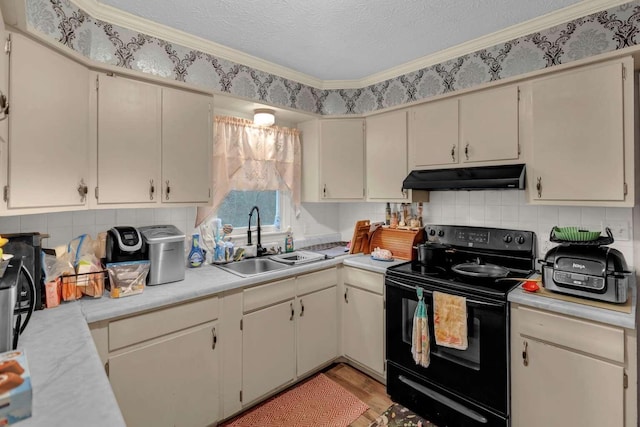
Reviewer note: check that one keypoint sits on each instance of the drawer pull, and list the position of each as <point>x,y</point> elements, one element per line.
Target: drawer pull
<point>346,298</point>
<point>214,338</point>
<point>301,308</point>
<point>292,311</point>
<point>525,354</point>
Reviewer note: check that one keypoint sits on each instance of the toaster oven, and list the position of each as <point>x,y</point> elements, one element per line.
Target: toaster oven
<point>595,272</point>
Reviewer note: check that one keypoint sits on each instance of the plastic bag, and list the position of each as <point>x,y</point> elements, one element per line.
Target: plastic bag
<point>127,278</point>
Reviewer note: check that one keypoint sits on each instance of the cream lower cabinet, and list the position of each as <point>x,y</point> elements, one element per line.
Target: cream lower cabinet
<point>570,372</point>
<point>268,349</point>
<point>48,150</point>
<point>363,318</point>
<point>579,127</point>
<point>317,321</point>
<point>164,366</point>
<point>289,328</point>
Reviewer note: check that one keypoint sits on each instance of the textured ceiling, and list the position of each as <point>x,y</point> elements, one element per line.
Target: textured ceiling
<point>339,39</point>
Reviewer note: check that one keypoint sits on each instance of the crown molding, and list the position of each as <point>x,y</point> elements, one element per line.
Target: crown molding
<point>118,17</point>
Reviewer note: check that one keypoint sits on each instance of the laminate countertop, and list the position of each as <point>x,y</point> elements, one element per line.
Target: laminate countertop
<point>69,383</point>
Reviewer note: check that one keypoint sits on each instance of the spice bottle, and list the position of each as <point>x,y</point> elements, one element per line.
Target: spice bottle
<point>387,218</point>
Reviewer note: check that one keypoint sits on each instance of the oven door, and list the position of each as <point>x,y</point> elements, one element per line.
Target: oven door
<point>479,373</point>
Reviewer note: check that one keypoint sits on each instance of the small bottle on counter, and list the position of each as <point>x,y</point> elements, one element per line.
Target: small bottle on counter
<point>196,257</point>
<point>387,219</point>
<point>288,241</point>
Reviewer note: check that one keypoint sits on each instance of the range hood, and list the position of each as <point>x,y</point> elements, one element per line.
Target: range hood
<point>478,178</point>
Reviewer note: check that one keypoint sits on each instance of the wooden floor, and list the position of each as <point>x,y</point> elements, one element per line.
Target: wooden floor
<point>364,388</point>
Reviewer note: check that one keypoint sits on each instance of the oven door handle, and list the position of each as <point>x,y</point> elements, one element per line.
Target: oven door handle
<point>405,286</point>
<point>444,400</point>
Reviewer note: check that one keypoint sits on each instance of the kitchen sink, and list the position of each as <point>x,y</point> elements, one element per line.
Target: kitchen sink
<point>252,266</point>
<point>298,257</point>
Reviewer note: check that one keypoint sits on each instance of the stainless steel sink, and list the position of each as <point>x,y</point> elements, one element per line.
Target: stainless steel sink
<point>298,257</point>
<point>252,266</point>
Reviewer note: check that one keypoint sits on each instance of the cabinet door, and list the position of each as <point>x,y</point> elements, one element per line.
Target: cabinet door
<point>561,388</point>
<point>173,382</point>
<point>128,141</point>
<point>186,146</point>
<point>268,350</point>
<point>433,134</point>
<point>363,328</point>
<point>489,125</point>
<point>386,146</point>
<point>578,135</point>
<point>49,127</point>
<point>342,159</point>
<point>317,329</point>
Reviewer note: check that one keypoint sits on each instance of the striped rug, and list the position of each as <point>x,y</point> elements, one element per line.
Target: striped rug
<point>318,402</point>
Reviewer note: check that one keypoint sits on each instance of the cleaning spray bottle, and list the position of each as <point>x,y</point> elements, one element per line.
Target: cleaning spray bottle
<point>196,257</point>
<point>288,241</point>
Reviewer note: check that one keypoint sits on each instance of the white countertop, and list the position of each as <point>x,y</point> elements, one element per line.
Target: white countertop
<point>611,317</point>
<point>70,387</point>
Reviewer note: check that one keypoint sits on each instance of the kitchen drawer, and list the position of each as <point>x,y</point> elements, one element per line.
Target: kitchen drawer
<point>585,336</point>
<point>317,281</point>
<point>151,325</point>
<point>372,282</point>
<point>269,294</point>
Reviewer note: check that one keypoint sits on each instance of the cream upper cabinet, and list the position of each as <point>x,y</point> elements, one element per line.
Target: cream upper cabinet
<point>386,156</point>
<point>187,142</point>
<point>48,149</point>
<point>154,144</point>
<point>332,160</point>
<point>129,136</point>
<point>567,371</point>
<point>489,125</point>
<point>433,134</point>
<point>580,127</point>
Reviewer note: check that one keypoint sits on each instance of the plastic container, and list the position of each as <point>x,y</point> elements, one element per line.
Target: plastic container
<point>196,256</point>
<point>288,241</point>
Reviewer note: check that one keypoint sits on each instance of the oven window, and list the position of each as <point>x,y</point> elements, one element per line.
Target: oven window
<point>469,358</point>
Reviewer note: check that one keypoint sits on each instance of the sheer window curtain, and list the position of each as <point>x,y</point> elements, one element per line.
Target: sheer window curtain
<point>249,157</point>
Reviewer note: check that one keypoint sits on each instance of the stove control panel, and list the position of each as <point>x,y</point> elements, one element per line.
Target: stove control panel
<point>482,237</point>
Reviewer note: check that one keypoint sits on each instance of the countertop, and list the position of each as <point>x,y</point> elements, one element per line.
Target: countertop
<point>611,317</point>
<point>69,383</point>
<point>70,387</point>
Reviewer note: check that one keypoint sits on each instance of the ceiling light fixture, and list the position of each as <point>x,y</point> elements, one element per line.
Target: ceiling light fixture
<point>264,117</point>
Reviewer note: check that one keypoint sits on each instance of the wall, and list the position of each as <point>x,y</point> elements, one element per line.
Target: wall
<point>64,23</point>
<point>504,209</point>
<point>315,220</point>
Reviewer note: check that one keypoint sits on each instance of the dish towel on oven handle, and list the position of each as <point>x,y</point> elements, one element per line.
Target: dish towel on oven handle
<point>450,320</point>
<point>420,333</point>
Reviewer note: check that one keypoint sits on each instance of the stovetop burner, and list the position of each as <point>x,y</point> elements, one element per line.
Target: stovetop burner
<point>512,249</point>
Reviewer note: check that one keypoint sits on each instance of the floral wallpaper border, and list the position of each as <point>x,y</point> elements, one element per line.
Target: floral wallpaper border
<point>62,21</point>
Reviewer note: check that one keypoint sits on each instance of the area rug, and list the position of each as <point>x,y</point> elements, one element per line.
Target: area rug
<point>397,415</point>
<point>314,403</point>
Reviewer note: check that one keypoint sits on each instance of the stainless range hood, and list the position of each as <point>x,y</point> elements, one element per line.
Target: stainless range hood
<point>478,178</point>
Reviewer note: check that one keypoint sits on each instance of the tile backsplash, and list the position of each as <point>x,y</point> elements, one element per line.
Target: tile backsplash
<point>505,209</point>
<point>64,226</point>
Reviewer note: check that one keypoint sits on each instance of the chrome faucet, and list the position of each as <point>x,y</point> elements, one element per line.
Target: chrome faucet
<point>259,250</point>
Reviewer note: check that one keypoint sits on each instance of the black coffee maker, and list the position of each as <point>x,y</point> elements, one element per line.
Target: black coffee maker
<point>124,243</point>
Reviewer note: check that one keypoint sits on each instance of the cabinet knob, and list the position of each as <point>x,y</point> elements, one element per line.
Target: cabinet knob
<point>152,189</point>
<point>539,187</point>
<point>466,151</point>
<point>168,191</point>
<point>82,190</point>
<point>525,354</point>
<point>292,312</point>
<point>4,106</point>
<point>324,190</point>
<point>301,308</point>
<point>453,153</point>
<point>346,297</point>
<point>214,338</point>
